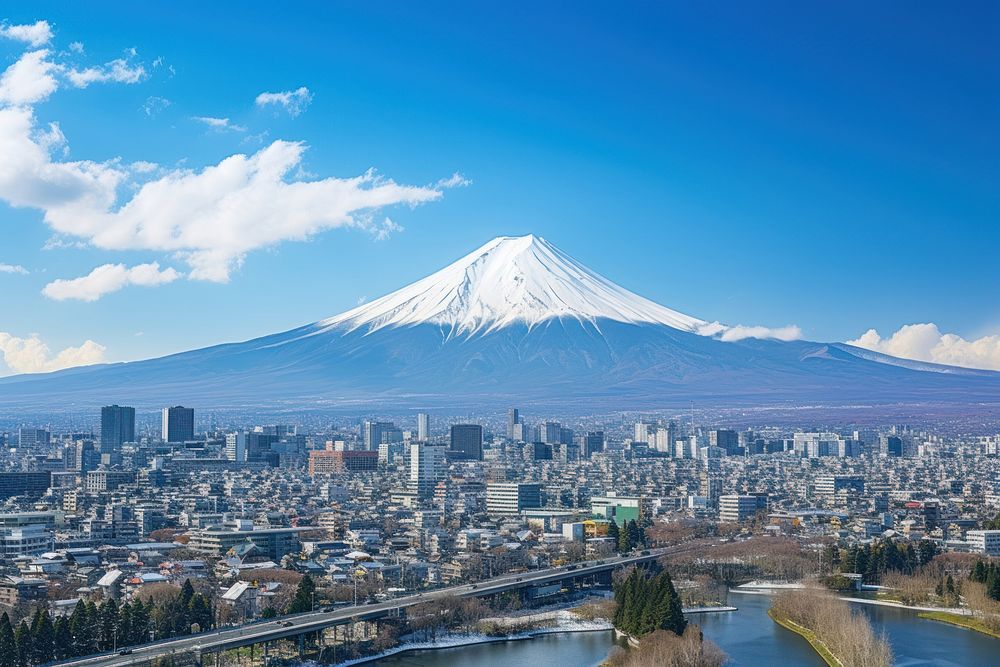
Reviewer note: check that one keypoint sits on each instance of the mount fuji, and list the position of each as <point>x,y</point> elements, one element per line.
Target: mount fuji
<point>517,320</point>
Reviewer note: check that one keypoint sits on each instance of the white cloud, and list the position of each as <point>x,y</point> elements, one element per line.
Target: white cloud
<point>76,47</point>
<point>154,105</point>
<point>35,34</point>
<point>456,180</point>
<point>385,230</point>
<point>209,218</point>
<point>109,278</point>
<point>29,80</point>
<point>13,268</point>
<point>118,71</point>
<point>32,355</point>
<point>739,332</point>
<point>219,124</point>
<point>294,101</point>
<point>731,334</point>
<point>925,342</point>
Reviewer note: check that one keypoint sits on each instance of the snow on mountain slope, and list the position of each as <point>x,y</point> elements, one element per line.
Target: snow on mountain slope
<point>511,280</point>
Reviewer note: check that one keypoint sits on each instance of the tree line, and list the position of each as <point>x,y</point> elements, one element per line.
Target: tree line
<point>93,629</point>
<point>630,535</point>
<point>882,556</point>
<point>647,603</point>
<point>987,574</point>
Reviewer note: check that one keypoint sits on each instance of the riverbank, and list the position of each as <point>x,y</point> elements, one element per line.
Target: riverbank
<point>807,634</point>
<point>957,611</point>
<point>564,621</point>
<point>961,620</point>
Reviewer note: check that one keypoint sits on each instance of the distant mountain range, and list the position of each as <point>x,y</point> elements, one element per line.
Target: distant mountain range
<point>516,321</point>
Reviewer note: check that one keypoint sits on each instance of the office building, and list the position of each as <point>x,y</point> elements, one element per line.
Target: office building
<point>740,508</point>
<point>513,418</point>
<point>423,426</point>
<point>467,441</point>
<point>177,424</point>
<point>593,443</point>
<point>28,484</point>
<point>273,543</point>
<point>32,439</point>
<point>831,485</point>
<point>428,466</point>
<point>550,433</point>
<point>372,432</point>
<point>117,428</point>
<point>236,446</point>
<point>619,508</point>
<point>512,497</point>
<point>985,542</point>
<point>328,461</point>
<point>725,439</point>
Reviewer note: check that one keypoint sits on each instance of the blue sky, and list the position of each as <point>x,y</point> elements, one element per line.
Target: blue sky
<point>779,164</point>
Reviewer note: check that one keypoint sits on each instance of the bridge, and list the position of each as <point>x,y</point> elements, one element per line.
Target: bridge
<point>299,625</point>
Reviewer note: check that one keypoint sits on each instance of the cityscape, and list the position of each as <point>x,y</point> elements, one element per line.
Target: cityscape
<point>591,374</point>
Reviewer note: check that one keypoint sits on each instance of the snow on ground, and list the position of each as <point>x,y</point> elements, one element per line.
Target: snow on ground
<point>566,621</point>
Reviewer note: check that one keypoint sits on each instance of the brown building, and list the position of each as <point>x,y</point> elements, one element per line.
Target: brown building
<point>324,461</point>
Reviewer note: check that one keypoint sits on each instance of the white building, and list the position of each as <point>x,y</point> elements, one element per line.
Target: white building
<point>236,446</point>
<point>512,498</point>
<point>737,509</point>
<point>984,541</point>
<point>428,466</point>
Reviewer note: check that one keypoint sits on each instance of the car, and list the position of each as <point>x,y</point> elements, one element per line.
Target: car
<point>285,624</point>
<point>519,579</point>
<point>125,651</point>
<point>474,586</point>
<point>571,567</point>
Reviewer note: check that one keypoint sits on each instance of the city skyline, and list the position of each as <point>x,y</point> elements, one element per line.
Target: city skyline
<point>710,185</point>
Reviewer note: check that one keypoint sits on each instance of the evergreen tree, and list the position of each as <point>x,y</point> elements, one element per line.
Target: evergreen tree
<point>8,649</point>
<point>993,583</point>
<point>22,644</point>
<point>635,536</point>
<point>62,644</point>
<point>42,638</point>
<point>108,615</point>
<point>79,630</point>
<point>614,533</point>
<point>978,572</point>
<point>303,600</point>
<point>624,539</point>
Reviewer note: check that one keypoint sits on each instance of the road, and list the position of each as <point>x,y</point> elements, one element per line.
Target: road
<point>292,626</point>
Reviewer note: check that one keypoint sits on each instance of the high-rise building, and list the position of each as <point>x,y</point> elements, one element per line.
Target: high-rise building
<point>550,433</point>
<point>423,426</point>
<point>891,445</point>
<point>593,443</point>
<point>726,439</point>
<point>177,424</point>
<point>32,439</point>
<point>372,432</point>
<point>428,466</point>
<point>117,428</point>
<point>643,432</point>
<point>236,446</point>
<point>260,448</point>
<point>467,441</point>
<point>513,418</point>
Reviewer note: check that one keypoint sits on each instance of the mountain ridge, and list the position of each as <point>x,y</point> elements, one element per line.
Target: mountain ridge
<point>519,321</point>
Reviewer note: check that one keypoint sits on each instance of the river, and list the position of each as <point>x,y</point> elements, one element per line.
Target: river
<point>748,636</point>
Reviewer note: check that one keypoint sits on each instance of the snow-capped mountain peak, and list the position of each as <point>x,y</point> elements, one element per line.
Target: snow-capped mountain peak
<point>510,280</point>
